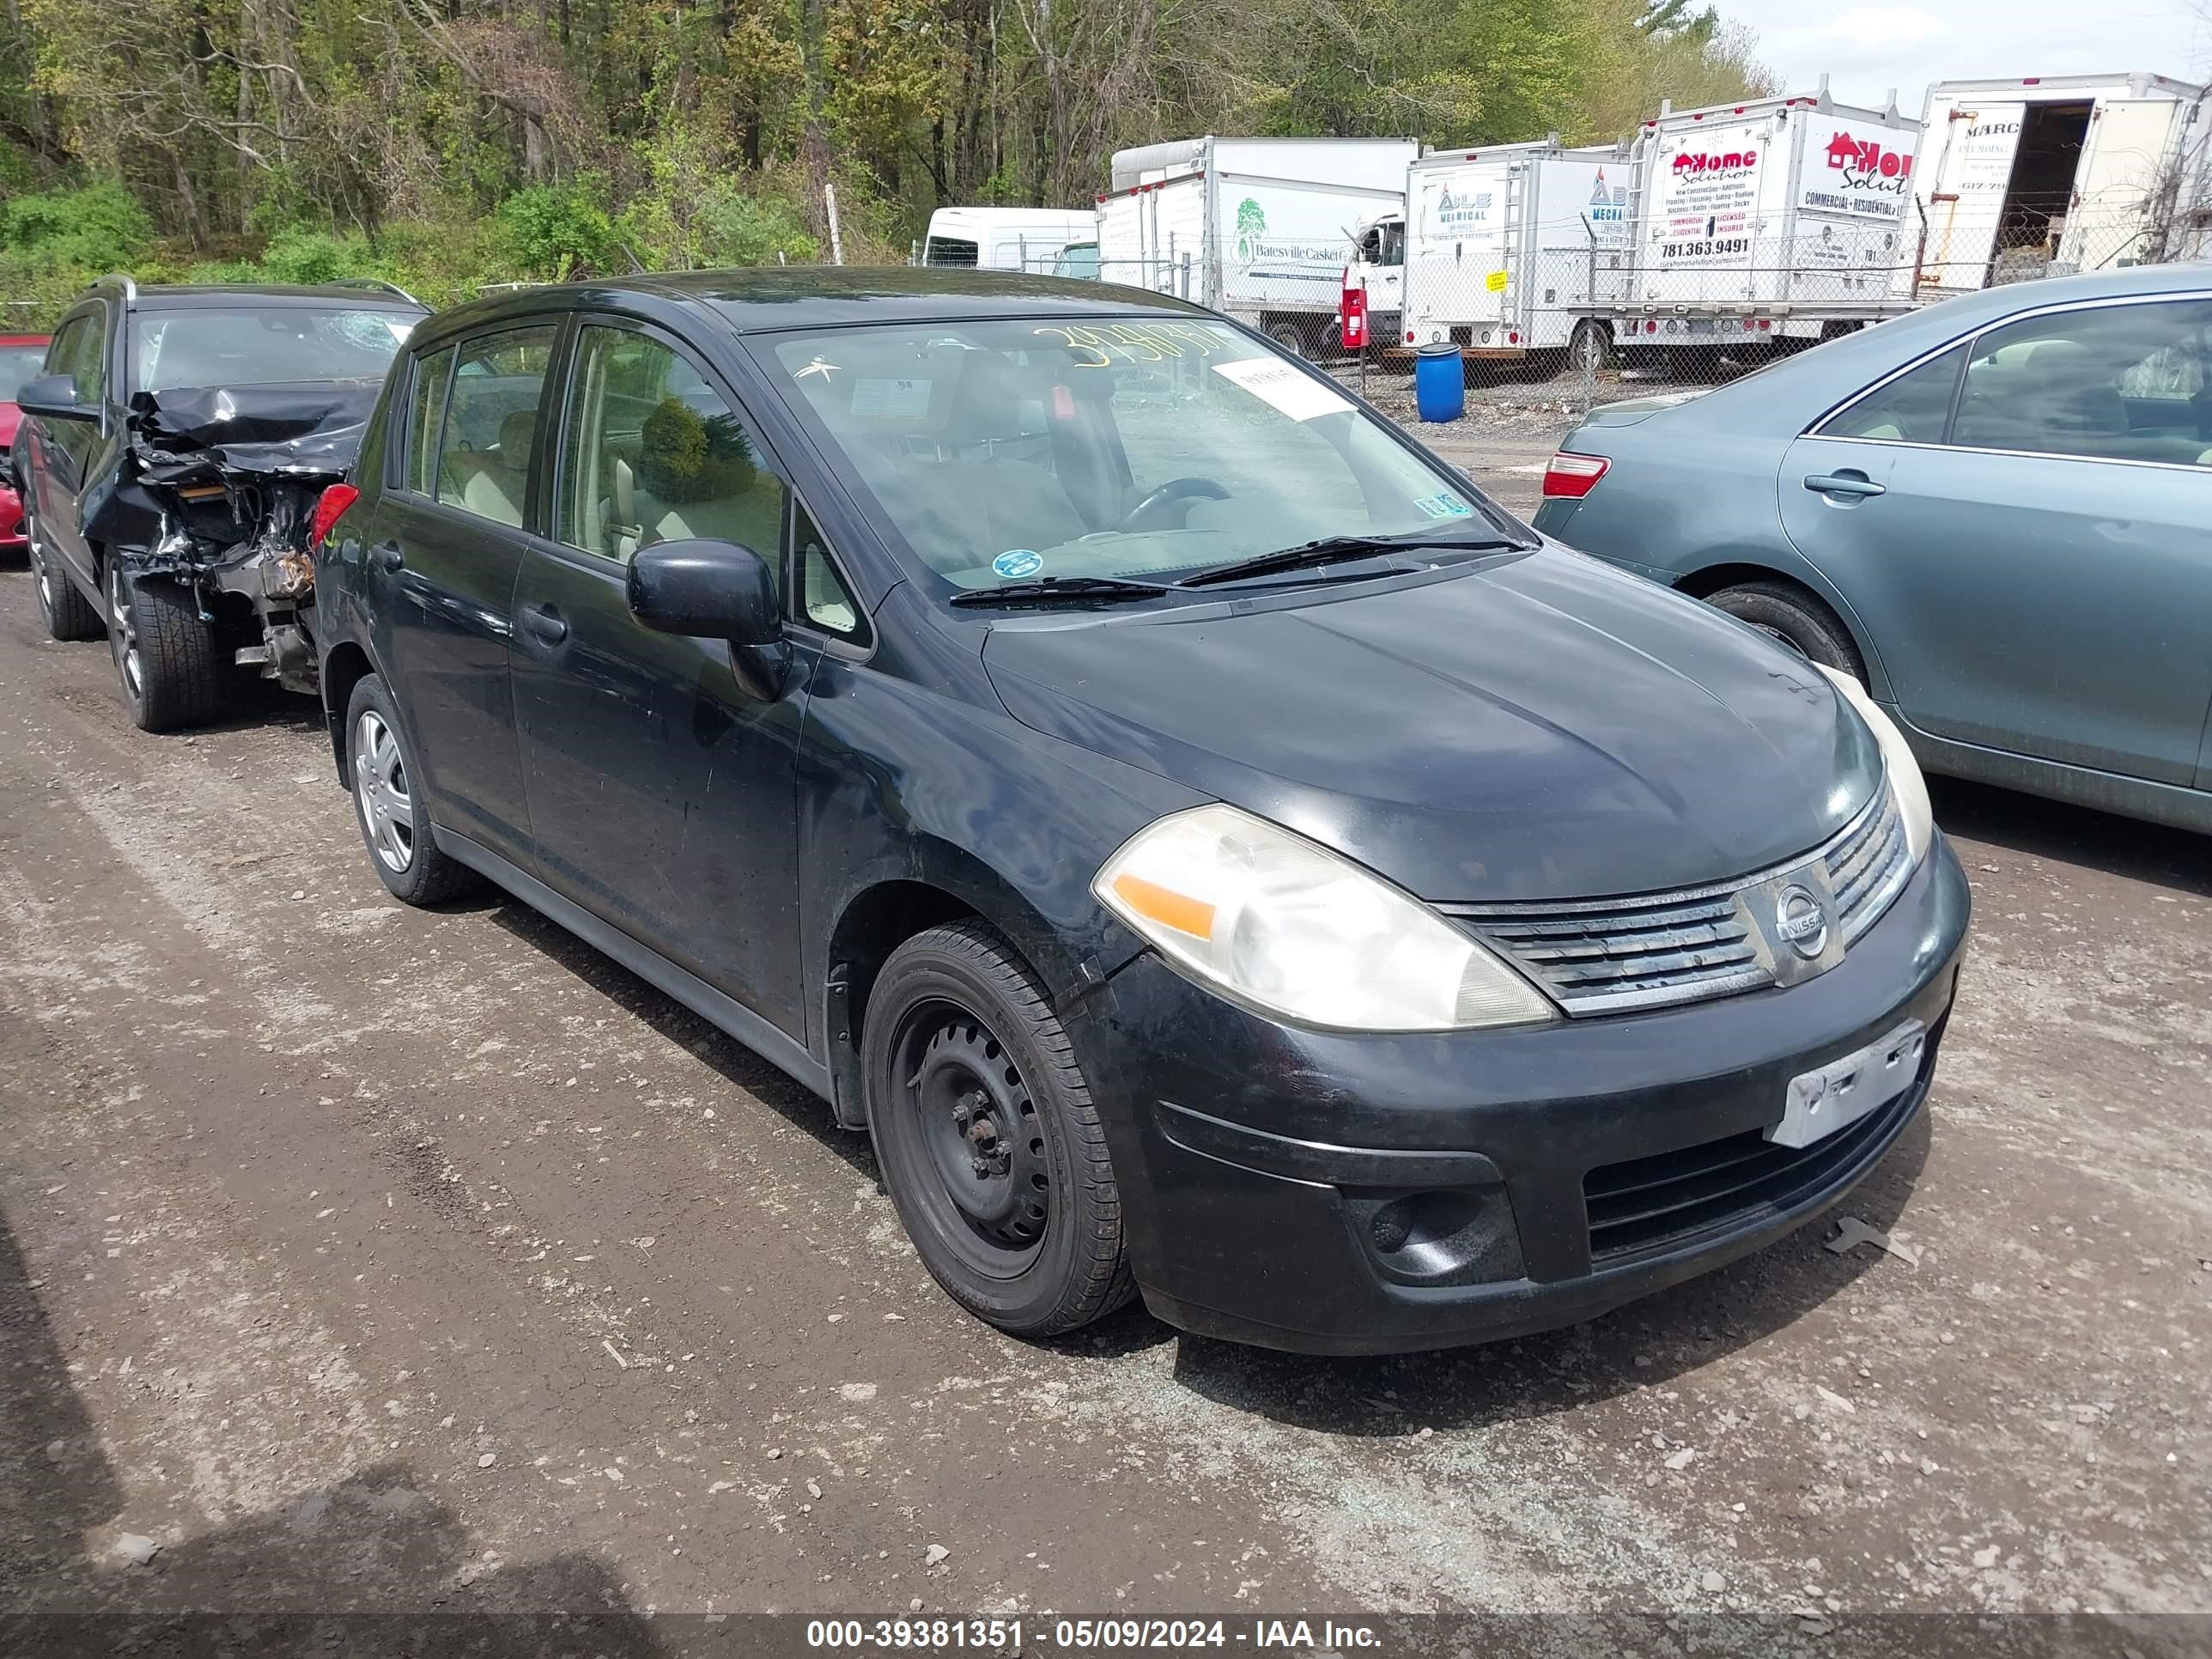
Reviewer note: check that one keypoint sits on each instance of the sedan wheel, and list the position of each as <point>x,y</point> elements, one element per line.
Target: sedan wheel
<point>1792,616</point>
<point>387,810</point>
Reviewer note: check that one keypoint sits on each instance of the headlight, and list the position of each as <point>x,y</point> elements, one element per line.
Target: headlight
<point>1276,920</point>
<point>1905,780</point>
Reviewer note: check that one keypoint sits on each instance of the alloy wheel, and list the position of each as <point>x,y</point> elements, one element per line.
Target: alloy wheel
<point>123,634</point>
<point>380,790</point>
<point>979,1139</point>
<point>43,574</point>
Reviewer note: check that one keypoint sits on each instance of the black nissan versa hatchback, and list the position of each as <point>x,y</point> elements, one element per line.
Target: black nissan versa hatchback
<point>1216,854</point>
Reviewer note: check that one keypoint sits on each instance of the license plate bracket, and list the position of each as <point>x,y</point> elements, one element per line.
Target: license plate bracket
<point>1840,1093</point>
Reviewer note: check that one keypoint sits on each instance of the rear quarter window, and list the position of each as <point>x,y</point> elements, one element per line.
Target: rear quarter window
<point>430,377</point>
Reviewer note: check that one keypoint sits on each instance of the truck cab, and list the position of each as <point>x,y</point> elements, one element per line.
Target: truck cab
<point>1379,259</point>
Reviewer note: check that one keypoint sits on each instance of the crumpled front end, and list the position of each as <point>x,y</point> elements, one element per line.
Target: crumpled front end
<point>217,487</point>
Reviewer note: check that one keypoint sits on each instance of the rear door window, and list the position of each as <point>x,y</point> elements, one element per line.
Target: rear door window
<point>489,431</point>
<point>1912,409</point>
<point>2119,382</point>
<point>426,412</point>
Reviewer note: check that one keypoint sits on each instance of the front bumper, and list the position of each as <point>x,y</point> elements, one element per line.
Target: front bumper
<point>1336,1193</point>
<point>12,538</point>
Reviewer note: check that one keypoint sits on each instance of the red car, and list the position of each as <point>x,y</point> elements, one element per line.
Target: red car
<point>21,356</point>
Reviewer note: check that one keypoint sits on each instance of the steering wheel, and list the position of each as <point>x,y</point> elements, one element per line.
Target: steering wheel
<point>1140,517</point>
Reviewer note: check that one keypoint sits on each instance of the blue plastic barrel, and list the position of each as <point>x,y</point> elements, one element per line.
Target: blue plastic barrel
<point>1439,383</point>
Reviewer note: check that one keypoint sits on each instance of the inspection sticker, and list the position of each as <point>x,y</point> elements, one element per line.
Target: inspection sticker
<point>1445,505</point>
<point>1284,385</point>
<point>891,400</point>
<point>1017,562</point>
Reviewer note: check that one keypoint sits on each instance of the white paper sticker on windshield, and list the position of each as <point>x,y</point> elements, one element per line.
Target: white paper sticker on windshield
<point>891,400</point>
<point>1284,385</point>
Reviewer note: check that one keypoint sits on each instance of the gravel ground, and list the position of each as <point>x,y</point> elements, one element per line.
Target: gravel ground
<point>355,1256</point>
<point>1510,429</point>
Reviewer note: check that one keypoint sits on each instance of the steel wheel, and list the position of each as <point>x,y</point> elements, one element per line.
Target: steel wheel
<point>976,1123</point>
<point>379,789</point>
<point>123,634</point>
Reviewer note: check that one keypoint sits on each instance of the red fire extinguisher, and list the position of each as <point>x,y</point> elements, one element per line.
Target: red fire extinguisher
<point>1351,310</point>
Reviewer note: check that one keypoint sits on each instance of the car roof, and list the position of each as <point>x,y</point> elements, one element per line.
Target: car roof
<point>815,296</point>
<point>1802,386</point>
<point>1946,319</point>
<point>26,339</point>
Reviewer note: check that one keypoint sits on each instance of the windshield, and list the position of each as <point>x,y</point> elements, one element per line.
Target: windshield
<point>19,364</point>
<point>1015,450</point>
<point>280,345</point>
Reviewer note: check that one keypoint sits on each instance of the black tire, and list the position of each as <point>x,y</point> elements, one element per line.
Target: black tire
<point>393,817</point>
<point>67,613</point>
<point>989,1145</point>
<point>1591,344</point>
<point>1798,619</point>
<point>165,657</point>
<point>1290,337</point>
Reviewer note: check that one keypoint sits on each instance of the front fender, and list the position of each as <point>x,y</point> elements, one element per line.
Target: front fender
<point>900,782</point>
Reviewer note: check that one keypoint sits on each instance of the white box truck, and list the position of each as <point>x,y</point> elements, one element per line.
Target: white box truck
<point>1261,229</point>
<point>1003,239</point>
<point>1772,221</point>
<point>1502,242</point>
<point>2053,174</point>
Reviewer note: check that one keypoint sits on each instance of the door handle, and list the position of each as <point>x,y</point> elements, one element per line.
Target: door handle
<point>544,622</point>
<point>387,557</point>
<point>1844,484</point>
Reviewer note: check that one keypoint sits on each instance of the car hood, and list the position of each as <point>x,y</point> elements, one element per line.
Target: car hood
<point>1539,727</point>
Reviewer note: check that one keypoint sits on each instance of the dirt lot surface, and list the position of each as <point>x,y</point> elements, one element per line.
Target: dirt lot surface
<point>1510,429</point>
<point>353,1255</point>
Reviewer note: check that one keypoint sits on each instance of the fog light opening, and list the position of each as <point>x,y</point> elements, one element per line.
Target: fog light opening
<point>1421,1222</point>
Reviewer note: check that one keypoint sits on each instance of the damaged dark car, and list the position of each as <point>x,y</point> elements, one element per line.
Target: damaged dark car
<point>178,459</point>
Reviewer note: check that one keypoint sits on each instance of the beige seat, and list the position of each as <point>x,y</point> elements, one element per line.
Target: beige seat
<point>499,483</point>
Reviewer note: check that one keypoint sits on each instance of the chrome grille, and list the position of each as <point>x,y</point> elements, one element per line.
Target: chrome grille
<point>1609,956</point>
<point>1633,953</point>
<point>1867,865</point>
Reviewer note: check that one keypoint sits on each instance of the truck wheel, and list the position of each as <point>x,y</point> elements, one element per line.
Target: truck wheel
<point>67,613</point>
<point>1795,618</point>
<point>1590,346</point>
<point>165,653</point>
<point>1290,337</point>
<point>395,823</point>
<point>989,1145</point>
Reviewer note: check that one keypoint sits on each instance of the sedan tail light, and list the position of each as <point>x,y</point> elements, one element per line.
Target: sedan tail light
<point>1573,477</point>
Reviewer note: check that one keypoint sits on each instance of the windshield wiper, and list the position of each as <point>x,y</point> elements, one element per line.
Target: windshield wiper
<point>1329,550</point>
<point>1048,590</point>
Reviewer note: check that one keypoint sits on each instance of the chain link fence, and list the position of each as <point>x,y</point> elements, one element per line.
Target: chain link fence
<point>1553,315</point>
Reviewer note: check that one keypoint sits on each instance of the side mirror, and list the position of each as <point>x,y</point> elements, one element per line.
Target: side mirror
<point>708,589</point>
<point>54,396</point>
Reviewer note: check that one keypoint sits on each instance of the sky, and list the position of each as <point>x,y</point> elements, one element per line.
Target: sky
<point>1866,49</point>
